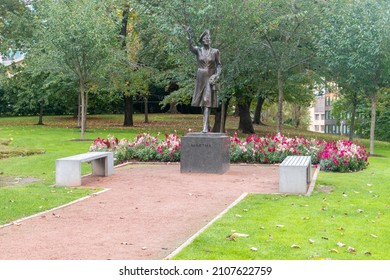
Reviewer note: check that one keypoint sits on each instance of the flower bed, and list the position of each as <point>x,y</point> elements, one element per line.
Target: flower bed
<point>144,148</point>
<point>340,156</point>
<point>343,156</point>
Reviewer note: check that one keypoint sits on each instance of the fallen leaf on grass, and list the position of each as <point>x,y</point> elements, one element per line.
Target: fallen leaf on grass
<point>238,216</point>
<point>334,251</point>
<point>373,235</point>
<point>340,244</point>
<point>254,249</point>
<point>295,246</point>
<point>280,226</point>
<point>360,211</point>
<point>234,235</point>
<point>351,250</point>
<point>367,253</point>
<point>311,241</point>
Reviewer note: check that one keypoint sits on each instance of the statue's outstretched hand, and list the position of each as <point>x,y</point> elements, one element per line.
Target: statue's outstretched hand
<point>189,32</point>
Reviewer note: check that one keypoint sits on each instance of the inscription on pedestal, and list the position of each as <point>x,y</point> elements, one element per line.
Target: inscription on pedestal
<point>205,153</point>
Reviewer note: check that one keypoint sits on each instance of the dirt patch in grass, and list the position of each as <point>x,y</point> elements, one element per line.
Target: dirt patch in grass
<point>325,189</point>
<point>6,181</point>
<point>7,151</point>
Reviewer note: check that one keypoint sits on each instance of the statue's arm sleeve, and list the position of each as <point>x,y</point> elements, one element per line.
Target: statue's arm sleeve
<point>191,46</point>
<point>218,62</point>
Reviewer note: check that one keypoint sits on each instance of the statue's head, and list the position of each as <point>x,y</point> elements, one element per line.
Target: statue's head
<point>205,37</point>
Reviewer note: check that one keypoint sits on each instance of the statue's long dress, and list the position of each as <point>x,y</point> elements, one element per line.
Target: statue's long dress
<point>208,62</point>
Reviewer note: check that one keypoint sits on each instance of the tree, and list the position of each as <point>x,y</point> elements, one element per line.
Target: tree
<point>130,46</point>
<point>15,24</point>
<point>76,37</point>
<point>354,41</point>
<point>27,92</point>
<point>285,29</point>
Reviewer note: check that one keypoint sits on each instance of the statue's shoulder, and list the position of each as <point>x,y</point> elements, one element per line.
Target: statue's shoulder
<point>215,50</point>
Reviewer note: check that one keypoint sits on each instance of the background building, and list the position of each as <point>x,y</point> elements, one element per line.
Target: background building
<point>321,119</point>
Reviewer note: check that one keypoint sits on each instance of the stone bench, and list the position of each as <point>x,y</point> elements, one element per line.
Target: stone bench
<point>295,174</point>
<point>68,169</point>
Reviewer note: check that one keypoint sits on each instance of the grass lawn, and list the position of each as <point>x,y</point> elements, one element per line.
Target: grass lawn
<point>22,201</point>
<point>346,217</point>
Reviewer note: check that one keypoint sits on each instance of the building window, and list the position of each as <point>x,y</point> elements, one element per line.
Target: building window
<point>346,130</point>
<point>328,101</point>
<point>316,117</point>
<point>322,117</point>
<point>332,129</point>
<point>316,128</point>
<point>322,128</point>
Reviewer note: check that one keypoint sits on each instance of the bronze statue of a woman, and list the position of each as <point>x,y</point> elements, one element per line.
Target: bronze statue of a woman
<point>209,69</point>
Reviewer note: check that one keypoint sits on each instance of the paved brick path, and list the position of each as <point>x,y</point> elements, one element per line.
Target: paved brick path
<point>149,211</point>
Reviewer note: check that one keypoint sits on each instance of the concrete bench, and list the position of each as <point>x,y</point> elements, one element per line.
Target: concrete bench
<point>295,174</point>
<point>68,169</point>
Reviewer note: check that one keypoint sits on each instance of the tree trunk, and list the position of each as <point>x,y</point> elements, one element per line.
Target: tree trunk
<point>146,109</point>
<point>83,121</point>
<point>128,100</point>
<point>222,128</point>
<point>125,19</point>
<point>173,86</point>
<point>245,124</point>
<point>296,117</point>
<point>86,110</point>
<point>352,127</point>
<point>374,99</point>
<point>128,120</point>
<point>172,108</point>
<point>259,107</point>
<point>220,122</point>
<point>79,111</point>
<point>279,118</point>
<point>40,117</point>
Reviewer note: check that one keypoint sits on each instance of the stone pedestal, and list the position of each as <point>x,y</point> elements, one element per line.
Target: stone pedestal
<point>205,153</point>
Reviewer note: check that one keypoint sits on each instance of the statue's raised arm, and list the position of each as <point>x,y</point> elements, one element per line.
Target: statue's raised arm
<point>190,35</point>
